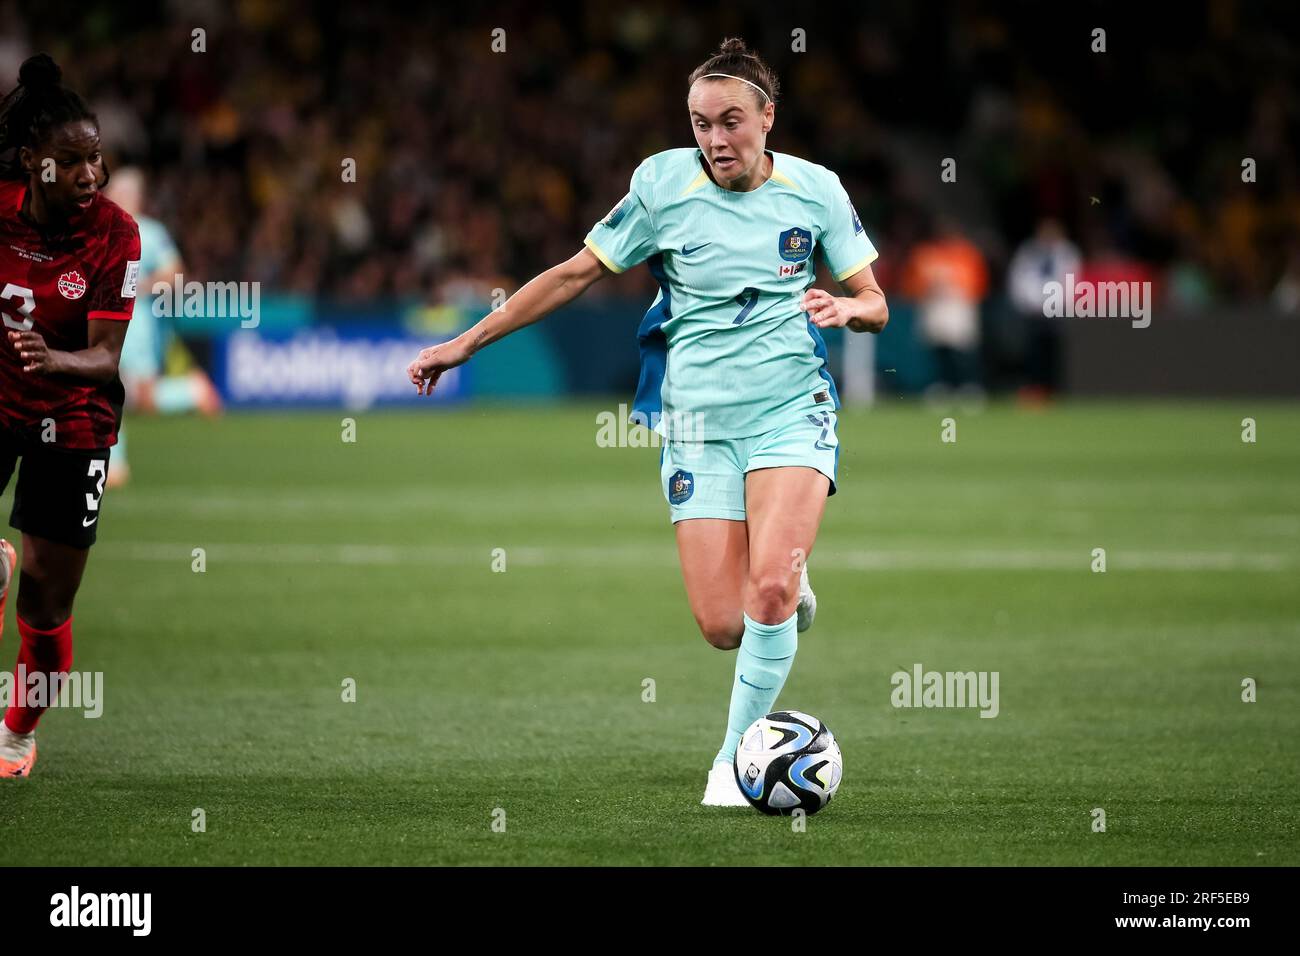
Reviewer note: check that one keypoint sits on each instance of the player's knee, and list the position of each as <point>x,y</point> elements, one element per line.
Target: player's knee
<point>774,597</point>
<point>723,634</point>
<point>44,617</point>
<point>42,607</point>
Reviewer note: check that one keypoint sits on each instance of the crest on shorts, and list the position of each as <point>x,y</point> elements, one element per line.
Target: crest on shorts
<point>680,486</point>
<point>795,244</point>
<point>72,285</point>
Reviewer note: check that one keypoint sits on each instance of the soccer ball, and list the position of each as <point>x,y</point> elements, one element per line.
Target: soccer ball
<point>788,761</point>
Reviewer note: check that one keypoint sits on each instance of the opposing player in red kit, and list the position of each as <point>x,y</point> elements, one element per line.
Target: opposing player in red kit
<point>69,260</point>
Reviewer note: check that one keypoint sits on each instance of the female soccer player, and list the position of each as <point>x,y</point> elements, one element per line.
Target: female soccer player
<point>733,367</point>
<point>69,260</point>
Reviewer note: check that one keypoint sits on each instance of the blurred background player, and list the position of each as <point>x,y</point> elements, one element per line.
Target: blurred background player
<point>148,337</point>
<point>947,279</point>
<point>1046,256</point>
<point>69,261</point>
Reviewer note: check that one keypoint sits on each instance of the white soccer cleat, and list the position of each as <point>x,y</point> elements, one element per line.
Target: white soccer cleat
<point>807,609</point>
<point>722,789</point>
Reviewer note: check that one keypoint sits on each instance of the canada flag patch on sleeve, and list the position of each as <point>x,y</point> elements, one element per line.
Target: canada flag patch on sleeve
<point>132,277</point>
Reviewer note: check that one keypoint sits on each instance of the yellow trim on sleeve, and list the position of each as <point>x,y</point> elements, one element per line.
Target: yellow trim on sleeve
<point>600,254</point>
<point>855,269</point>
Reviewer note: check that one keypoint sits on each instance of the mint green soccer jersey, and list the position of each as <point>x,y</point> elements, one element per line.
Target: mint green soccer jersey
<point>725,350</point>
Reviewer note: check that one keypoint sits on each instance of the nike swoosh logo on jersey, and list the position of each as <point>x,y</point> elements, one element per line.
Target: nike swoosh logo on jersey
<point>687,252</point>
<point>87,524</point>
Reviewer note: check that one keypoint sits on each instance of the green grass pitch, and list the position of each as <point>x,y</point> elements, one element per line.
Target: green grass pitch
<point>478,690</point>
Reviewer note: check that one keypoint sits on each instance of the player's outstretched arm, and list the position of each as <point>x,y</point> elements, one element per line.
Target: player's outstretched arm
<point>538,298</point>
<point>97,362</point>
<point>863,310</point>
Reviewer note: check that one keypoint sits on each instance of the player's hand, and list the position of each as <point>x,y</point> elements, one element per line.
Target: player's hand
<point>429,365</point>
<point>825,310</point>
<point>31,348</point>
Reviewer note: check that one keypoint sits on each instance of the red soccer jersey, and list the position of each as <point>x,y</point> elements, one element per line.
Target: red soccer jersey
<point>56,286</point>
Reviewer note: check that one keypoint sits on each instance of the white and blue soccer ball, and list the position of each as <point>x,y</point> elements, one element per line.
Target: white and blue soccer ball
<point>788,761</point>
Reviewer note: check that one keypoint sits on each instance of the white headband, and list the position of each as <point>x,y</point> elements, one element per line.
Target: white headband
<point>742,79</point>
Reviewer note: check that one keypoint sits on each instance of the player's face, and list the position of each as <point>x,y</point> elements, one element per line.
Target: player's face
<point>67,168</point>
<point>730,129</point>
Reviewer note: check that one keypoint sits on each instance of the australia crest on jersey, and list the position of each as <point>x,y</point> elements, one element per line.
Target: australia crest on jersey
<point>795,244</point>
<point>72,285</point>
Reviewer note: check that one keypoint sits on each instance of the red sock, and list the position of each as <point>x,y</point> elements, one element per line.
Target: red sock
<point>48,652</point>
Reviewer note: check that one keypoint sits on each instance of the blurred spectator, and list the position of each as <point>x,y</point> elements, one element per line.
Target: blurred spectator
<point>1046,256</point>
<point>1286,297</point>
<point>476,169</point>
<point>946,278</point>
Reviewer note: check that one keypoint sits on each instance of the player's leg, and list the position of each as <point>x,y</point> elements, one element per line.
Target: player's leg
<point>47,585</point>
<point>48,581</point>
<point>789,475</point>
<point>8,559</point>
<point>184,391</point>
<point>56,506</point>
<point>193,391</point>
<point>704,483</point>
<point>714,555</point>
<point>715,563</point>
<point>785,507</point>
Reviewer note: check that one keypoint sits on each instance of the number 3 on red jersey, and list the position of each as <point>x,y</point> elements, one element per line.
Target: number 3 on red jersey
<point>12,291</point>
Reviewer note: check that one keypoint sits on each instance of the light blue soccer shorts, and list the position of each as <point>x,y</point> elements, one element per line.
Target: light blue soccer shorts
<point>706,479</point>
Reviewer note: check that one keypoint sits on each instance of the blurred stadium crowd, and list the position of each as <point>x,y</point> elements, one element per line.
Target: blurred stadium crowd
<point>478,168</point>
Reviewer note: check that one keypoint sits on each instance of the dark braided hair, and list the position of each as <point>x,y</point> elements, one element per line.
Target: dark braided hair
<point>37,106</point>
<point>734,58</point>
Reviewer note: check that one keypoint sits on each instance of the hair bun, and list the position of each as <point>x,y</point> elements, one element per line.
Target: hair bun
<point>39,72</point>
<point>733,46</point>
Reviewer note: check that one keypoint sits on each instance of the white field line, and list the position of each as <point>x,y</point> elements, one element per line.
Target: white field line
<point>629,556</point>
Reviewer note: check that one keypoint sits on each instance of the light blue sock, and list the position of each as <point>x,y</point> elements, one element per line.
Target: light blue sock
<point>762,665</point>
